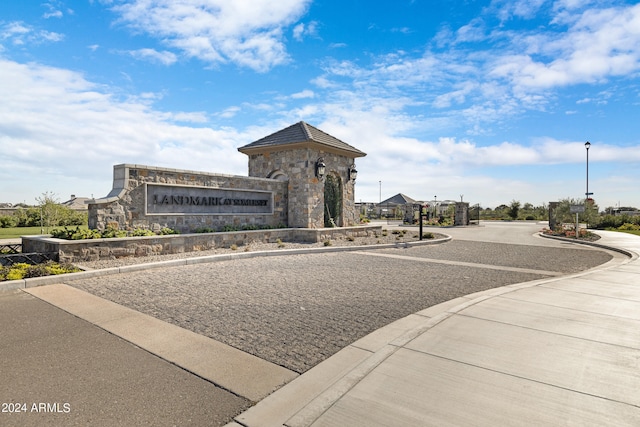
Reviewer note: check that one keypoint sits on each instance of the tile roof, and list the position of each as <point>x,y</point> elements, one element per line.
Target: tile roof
<point>302,132</point>
<point>398,199</point>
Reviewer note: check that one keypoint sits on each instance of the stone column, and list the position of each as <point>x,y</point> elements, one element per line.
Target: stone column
<point>462,214</point>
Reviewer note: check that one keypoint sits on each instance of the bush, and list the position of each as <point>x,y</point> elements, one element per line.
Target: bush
<point>111,232</point>
<point>204,230</point>
<point>17,271</point>
<point>629,227</point>
<point>8,221</point>
<point>21,270</point>
<point>140,232</point>
<point>167,231</point>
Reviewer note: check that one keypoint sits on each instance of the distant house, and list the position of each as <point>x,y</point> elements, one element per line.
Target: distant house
<point>388,207</point>
<point>76,203</point>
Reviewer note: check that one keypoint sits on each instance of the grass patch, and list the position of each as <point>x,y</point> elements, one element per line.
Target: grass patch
<point>16,232</point>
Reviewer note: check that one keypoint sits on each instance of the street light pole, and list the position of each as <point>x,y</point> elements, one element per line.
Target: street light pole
<point>587,145</point>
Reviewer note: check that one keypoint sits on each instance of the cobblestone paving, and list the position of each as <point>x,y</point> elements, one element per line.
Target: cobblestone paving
<point>558,259</point>
<point>298,310</point>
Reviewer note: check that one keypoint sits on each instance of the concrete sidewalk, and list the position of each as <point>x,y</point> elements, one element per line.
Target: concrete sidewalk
<point>558,351</point>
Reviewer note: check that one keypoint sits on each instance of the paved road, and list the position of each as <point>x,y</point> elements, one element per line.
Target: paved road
<point>296,311</point>
<point>58,370</point>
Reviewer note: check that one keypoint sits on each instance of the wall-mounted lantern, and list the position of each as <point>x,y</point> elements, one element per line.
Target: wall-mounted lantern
<point>321,168</point>
<point>353,173</point>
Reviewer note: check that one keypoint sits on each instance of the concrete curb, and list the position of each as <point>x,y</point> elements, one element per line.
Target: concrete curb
<point>631,255</point>
<point>234,370</point>
<point>50,280</point>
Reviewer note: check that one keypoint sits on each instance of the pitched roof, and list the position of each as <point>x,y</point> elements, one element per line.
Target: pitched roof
<point>398,199</point>
<point>301,133</point>
<point>76,202</point>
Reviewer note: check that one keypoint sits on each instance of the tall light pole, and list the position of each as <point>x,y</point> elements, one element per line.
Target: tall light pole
<point>587,145</point>
<point>380,202</point>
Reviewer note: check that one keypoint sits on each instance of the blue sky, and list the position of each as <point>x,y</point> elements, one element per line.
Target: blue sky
<point>489,100</point>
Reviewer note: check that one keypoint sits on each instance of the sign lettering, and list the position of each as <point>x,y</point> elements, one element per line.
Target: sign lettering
<point>172,199</point>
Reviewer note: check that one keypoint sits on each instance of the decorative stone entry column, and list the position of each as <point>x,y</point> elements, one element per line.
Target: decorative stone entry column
<point>462,214</point>
<point>305,157</point>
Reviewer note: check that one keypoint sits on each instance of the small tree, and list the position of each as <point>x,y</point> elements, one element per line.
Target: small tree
<point>563,211</point>
<point>50,210</point>
<point>514,209</point>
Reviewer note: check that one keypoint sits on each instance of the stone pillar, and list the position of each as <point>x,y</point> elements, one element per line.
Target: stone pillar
<point>462,214</point>
<point>553,222</point>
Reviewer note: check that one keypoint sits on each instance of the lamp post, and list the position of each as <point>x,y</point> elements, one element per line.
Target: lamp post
<point>587,145</point>
<point>380,202</point>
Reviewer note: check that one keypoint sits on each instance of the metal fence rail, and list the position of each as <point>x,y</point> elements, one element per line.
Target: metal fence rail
<point>10,248</point>
<point>28,258</point>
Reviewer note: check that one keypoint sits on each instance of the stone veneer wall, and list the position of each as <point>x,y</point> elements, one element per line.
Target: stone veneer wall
<point>462,214</point>
<point>306,191</point>
<point>103,249</point>
<point>124,207</point>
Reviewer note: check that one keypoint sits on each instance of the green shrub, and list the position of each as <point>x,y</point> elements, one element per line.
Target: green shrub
<point>75,234</point>
<point>20,271</point>
<point>428,236</point>
<point>629,227</point>
<point>111,232</point>
<point>8,221</point>
<point>81,234</point>
<point>204,230</point>
<point>62,233</point>
<point>140,232</point>
<point>17,271</point>
<point>327,243</point>
<point>165,231</point>
<point>38,270</point>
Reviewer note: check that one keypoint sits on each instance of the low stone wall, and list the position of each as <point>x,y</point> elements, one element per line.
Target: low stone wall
<point>101,249</point>
<point>152,197</point>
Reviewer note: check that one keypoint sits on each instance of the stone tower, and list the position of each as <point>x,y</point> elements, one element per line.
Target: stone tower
<point>320,171</point>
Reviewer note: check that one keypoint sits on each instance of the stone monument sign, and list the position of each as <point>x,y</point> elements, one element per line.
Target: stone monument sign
<point>299,177</point>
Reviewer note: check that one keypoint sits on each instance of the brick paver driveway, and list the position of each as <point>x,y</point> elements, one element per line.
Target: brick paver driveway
<point>298,310</point>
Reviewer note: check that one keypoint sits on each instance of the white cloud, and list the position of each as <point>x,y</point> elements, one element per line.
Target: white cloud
<point>19,33</point>
<point>602,43</point>
<point>58,124</point>
<point>53,14</point>
<point>509,9</point>
<point>152,55</point>
<point>303,94</point>
<point>248,33</point>
<point>302,30</point>
<point>230,112</point>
